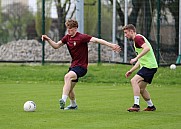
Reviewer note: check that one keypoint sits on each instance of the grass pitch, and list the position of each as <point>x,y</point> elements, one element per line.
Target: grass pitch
<point>103,97</point>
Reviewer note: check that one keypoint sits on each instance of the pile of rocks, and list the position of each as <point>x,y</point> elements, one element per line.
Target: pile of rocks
<point>31,50</point>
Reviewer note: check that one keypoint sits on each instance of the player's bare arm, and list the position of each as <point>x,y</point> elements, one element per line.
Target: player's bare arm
<point>114,47</point>
<point>51,42</point>
<point>144,51</point>
<point>136,66</point>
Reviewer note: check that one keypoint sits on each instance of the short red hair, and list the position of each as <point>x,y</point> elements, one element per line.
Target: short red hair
<point>70,23</point>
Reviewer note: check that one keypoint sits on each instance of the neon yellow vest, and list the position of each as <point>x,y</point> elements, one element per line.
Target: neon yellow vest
<point>148,60</point>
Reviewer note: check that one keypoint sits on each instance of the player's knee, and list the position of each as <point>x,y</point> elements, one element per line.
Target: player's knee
<point>133,81</point>
<point>67,77</point>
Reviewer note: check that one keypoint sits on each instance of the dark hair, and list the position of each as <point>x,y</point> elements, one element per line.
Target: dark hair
<point>70,23</point>
<point>129,27</point>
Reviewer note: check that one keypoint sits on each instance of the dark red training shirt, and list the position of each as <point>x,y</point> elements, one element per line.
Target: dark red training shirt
<point>139,41</point>
<point>78,48</point>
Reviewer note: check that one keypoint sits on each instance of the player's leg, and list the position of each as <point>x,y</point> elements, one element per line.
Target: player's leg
<point>144,93</point>
<point>73,104</point>
<point>136,91</point>
<point>146,96</point>
<point>135,84</point>
<point>71,75</point>
<point>148,75</point>
<point>72,93</point>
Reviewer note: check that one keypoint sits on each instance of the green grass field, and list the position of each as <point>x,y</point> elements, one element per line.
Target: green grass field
<point>103,97</point>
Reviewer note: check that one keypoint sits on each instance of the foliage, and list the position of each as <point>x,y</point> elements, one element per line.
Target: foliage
<point>4,35</point>
<point>173,6</point>
<point>16,15</point>
<point>139,8</point>
<point>65,9</point>
<point>106,21</point>
<point>3,32</point>
<point>0,12</point>
<point>48,4</point>
<point>90,17</point>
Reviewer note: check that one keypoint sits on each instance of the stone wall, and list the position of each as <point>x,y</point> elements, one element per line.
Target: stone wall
<point>31,50</point>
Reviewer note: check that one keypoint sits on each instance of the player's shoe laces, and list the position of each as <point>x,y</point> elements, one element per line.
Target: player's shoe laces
<point>152,108</point>
<point>134,108</point>
<point>71,107</point>
<point>62,104</point>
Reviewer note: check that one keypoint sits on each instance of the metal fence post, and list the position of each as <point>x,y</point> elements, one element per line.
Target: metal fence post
<point>99,30</point>
<point>179,53</point>
<point>43,31</point>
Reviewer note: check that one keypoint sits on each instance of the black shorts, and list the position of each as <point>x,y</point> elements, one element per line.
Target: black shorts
<point>147,74</point>
<point>80,71</point>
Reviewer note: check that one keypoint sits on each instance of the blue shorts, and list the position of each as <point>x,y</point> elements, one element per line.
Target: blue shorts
<point>147,74</point>
<point>80,71</point>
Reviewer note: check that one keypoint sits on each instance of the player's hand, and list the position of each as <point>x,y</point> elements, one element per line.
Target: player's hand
<point>45,37</point>
<point>133,60</point>
<point>128,74</point>
<point>116,48</point>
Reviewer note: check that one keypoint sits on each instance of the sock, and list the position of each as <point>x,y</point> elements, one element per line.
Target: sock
<point>150,103</point>
<point>136,100</point>
<point>64,97</point>
<point>73,103</point>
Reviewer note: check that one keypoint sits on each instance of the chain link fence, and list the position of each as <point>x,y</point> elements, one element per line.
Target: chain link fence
<point>21,25</point>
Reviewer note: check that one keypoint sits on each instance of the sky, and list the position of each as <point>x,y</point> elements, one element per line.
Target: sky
<point>32,4</point>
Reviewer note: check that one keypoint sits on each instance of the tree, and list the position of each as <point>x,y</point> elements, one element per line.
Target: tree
<point>119,10</point>
<point>90,16</point>
<point>0,13</point>
<point>65,9</point>
<point>140,8</point>
<point>173,6</point>
<point>17,18</point>
<point>106,20</point>
<point>38,21</point>
<point>2,31</point>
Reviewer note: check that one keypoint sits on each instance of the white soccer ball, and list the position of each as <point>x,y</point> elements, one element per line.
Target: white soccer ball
<point>29,106</point>
<point>172,66</point>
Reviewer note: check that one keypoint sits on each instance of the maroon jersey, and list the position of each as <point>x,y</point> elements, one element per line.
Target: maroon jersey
<point>139,41</point>
<point>78,48</point>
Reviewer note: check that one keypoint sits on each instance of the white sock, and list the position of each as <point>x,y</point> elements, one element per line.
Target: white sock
<point>64,97</point>
<point>136,100</point>
<point>73,103</point>
<point>150,103</point>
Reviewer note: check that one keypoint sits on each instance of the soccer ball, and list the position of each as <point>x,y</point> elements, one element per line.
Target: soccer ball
<point>172,66</point>
<point>29,106</point>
